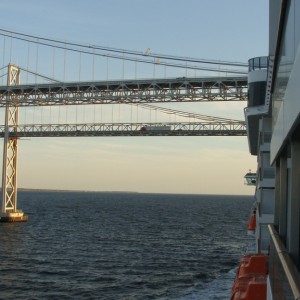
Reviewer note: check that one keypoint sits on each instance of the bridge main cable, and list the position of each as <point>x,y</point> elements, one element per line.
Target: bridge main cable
<point>127,91</point>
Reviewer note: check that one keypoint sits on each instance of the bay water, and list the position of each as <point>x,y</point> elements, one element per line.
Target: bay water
<point>98,245</point>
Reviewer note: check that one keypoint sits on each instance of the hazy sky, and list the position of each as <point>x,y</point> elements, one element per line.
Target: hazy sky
<point>233,30</point>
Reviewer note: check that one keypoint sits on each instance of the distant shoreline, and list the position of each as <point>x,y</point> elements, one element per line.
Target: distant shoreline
<point>120,192</point>
<point>71,191</point>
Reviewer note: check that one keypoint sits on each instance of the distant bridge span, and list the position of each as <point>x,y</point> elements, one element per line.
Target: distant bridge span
<point>128,129</point>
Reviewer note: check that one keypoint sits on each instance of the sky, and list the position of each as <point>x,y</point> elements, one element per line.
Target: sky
<point>232,30</point>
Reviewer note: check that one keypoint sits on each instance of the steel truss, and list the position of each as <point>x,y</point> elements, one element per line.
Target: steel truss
<point>182,89</point>
<point>128,91</point>
<point>10,150</point>
<point>129,129</point>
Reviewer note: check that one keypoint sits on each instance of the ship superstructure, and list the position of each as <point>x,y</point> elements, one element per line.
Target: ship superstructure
<point>273,128</point>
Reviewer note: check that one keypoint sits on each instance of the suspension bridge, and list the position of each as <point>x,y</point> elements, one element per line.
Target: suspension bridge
<point>39,105</point>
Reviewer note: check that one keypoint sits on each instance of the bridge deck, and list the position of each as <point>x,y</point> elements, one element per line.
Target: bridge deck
<point>127,91</point>
<point>129,129</point>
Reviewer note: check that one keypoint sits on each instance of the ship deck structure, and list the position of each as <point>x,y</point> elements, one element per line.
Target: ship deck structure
<point>273,129</point>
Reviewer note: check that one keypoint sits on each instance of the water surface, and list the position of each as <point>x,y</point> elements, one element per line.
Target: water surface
<point>80,245</point>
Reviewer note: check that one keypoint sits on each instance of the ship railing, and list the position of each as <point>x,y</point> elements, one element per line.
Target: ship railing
<point>284,277</point>
<point>258,63</point>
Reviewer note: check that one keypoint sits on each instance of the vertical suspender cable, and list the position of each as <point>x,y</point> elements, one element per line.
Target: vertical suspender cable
<point>123,75</point>
<point>53,63</point>
<point>65,63</point>
<point>53,76</point>
<point>65,66</point>
<point>37,59</point>
<point>28,55</point>
<point>79,77</point>
<point>123,66</point>
<point>65,60</point>
<point>11,41</point>
<point>58,114</point>
<point>59,109</point>
<point>36,72</point>
<point>66,108</point>
<point>93,72</point>
<point>79,70</point>
<point>76,113</point>
<point>93,75</point>
<point>107,68</point>
<point>41,110</point>
<point>186,69</point>
<point>3,57</point>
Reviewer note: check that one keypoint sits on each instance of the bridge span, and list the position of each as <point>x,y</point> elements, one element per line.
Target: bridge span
<point>127,91</point>
<point>128,129</point>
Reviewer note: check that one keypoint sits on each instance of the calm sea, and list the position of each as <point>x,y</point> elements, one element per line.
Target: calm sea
<point>80,245</point>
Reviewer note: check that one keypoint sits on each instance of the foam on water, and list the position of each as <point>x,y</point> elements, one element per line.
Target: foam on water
<point>218,289</point>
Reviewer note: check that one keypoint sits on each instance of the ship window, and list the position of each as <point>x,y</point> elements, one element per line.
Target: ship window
<point>258,63</point>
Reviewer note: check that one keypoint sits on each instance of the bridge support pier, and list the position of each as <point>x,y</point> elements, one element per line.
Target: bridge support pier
<point>10,213</point>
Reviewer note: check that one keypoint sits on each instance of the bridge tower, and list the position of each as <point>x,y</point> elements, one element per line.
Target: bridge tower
<point>10,156</point>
